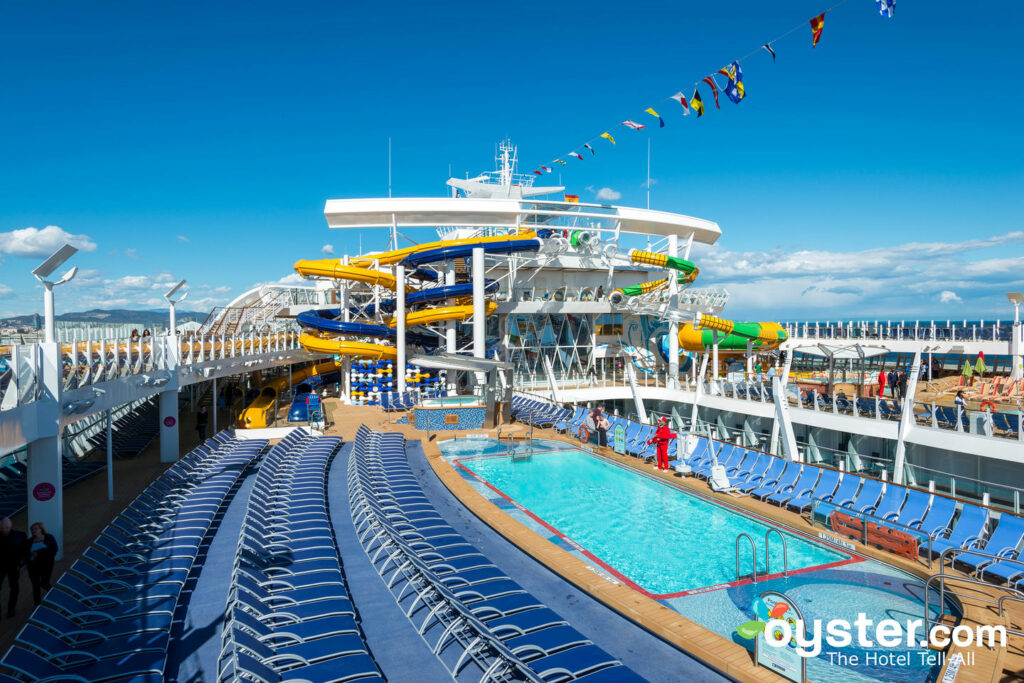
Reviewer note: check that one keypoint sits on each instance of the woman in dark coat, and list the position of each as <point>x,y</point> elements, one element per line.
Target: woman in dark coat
<point>42,551</point>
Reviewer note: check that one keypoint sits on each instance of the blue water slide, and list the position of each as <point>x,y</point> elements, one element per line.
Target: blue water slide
<point>509,246</point>
<point>429,295</point>
<point>685,359</point>
<point>325,320</point>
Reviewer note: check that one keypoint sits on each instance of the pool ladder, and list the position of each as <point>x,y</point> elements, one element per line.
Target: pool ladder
<point>767,554</point>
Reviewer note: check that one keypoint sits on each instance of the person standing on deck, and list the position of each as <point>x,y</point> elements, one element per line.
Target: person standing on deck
<point>42,552</point>
<point>13,550</point>
<point>662,436</point>
<point>881,384</point>
<point>202,420</point>
<point>892,382</point>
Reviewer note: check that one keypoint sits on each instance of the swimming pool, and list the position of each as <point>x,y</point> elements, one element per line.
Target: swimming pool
<point>679,547</point>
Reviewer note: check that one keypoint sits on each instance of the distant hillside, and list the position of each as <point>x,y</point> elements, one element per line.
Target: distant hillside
<point>117,316</point>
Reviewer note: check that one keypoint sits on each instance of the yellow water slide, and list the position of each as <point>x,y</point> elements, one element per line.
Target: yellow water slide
<point>260,412</point>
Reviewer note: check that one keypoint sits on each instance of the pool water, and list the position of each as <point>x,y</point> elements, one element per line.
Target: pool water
<point>680,548</point>
<point>685,542</point>
<point>448,401</point>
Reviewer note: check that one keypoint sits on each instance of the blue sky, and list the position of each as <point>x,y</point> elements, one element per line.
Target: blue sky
<point>877,174</point>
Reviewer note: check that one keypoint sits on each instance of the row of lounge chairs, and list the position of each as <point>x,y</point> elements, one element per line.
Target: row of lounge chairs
<point>109,616</point>
<point>796,486</point>
<point>393,400</point>
<point>132,431</point>
<point>289,614</point>
<point>469,612</point>
<point>538,413</point>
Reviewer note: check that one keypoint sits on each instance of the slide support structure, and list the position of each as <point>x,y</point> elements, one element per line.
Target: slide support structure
<point>400,326</point>
<point>479,312</point>
<point>673,327</point>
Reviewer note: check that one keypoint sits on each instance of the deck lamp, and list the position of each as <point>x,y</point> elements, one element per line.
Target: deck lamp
<point>45,270</point>
<point>1016,298</point>
<point>173,301</point>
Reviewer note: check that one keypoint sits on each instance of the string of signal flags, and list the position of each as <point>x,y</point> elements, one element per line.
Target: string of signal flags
<point>734,88</point>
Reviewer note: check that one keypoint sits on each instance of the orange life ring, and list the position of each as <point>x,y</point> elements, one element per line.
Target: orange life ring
<point>582,429</point>
<point>990,404</point>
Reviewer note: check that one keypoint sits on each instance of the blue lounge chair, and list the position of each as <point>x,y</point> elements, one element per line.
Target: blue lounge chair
<point>754,480</point>
<point>939,517</point>
<point>1003,541</point>
<point>846,492</point>
<point>970,527</point>
<point>915,508</point>
<point>892,501</point>
<point>804,484</point>
<point>788,476</point>
<point>867,497</point>
<point>824,489</point>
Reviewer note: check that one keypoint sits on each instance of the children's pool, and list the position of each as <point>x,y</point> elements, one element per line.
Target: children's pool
<point>680,548</point>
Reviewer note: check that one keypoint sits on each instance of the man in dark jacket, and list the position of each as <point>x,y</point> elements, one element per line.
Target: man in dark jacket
<point>13,548</point>
<point>893,382</point>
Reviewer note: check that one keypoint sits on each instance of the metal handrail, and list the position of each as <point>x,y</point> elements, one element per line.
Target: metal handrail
<point>767,557</point>
<point>753,554</point>
<point>942,576</point>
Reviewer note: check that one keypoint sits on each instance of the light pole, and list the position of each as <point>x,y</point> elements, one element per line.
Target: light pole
<point>45,270</point>
<point>172,301</point>
<point>1016,353</point>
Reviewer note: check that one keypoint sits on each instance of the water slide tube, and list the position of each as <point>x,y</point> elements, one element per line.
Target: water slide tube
<point>427,295</point>
<point>685,359</point>
<point>325,320</point>
<point>260,412</point>
<point>507,245</point>
<point>732,336</point>
<point>388,258</point>
<point>688,272</point>
<point>299,410</point>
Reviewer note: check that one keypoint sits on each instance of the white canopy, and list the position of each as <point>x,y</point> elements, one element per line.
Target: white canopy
<point>504,212</point>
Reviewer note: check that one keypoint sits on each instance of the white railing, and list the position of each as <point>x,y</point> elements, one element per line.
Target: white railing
<point>92,362</point>
<point>903,330</point>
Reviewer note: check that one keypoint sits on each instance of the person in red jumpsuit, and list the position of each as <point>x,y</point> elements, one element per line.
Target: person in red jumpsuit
<point>662,436</point>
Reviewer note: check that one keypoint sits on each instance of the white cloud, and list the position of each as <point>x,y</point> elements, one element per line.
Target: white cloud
<point>31,242</point>
<point>222,289</point>
<point>5,290</point>
<point>327,249</point>
<point>905,279</point>
<point>182,238</point>
<point>132,282</point>
<point>948,297</point>
<point>608,194</point>
<point>131,253</point>
<point>291,279</point>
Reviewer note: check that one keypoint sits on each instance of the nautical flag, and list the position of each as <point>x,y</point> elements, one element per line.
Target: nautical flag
<point>886,8</point>
<point>538,173</point>
<point>609,136</point>
<point>577,155</point>
<point>592,152</point>
<point>559,161</point>
<point>817,23</point>
<point>768,46</point>
<point>697,103</point>
<point>714,89</point>
<point>734,90</point>
<point>573,198</point>
<point>545,169</point>
<point>661,121</point>
<point>633,124</point>
<point>681,99</point>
